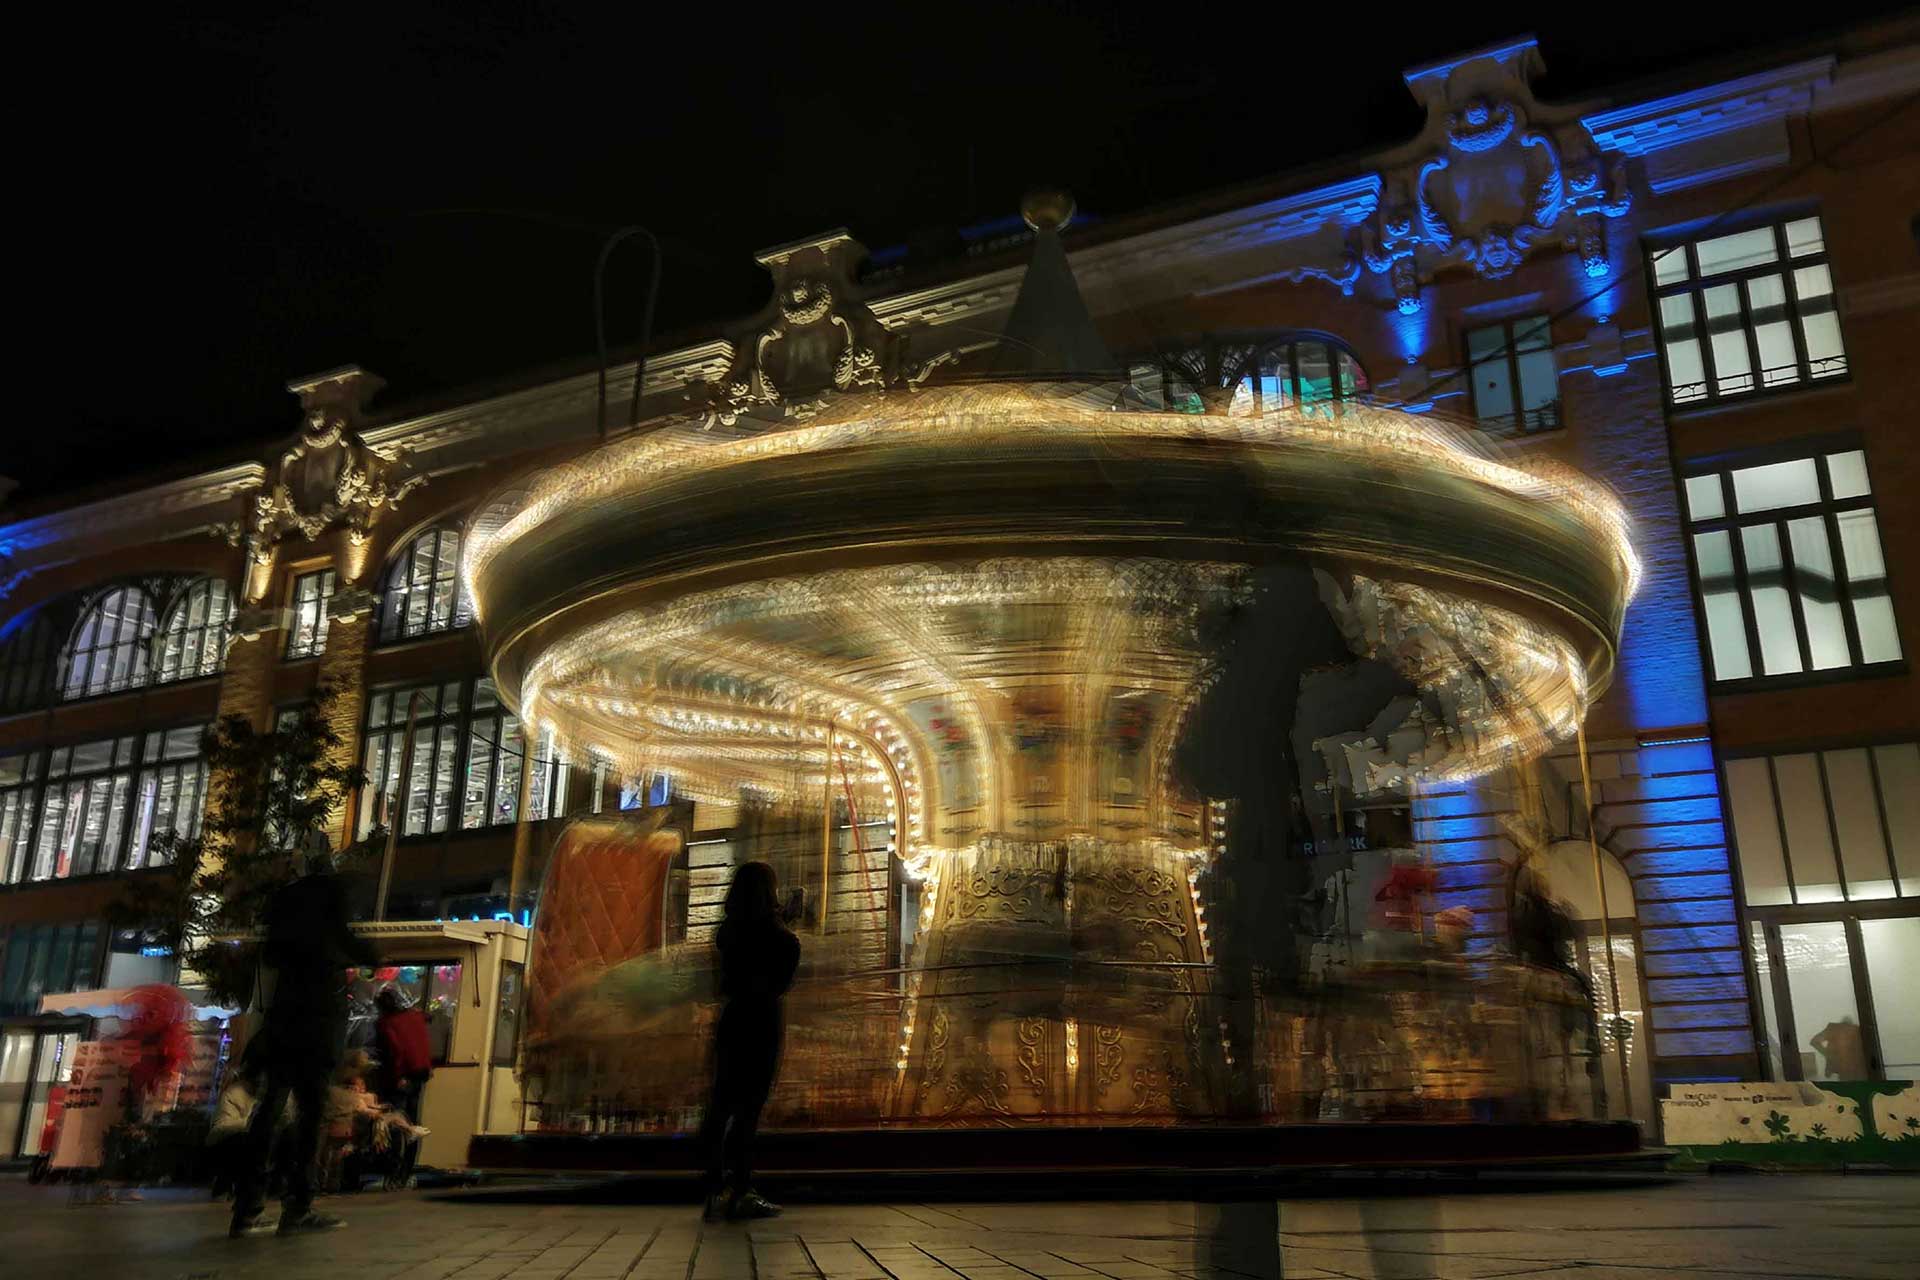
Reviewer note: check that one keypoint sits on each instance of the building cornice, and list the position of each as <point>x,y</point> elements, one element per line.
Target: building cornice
<point>107,516</point>
<point>1682,136</point>
<point>1336,206</point>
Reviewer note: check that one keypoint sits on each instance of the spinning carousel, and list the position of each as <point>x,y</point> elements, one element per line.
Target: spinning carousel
<point>991,616</point>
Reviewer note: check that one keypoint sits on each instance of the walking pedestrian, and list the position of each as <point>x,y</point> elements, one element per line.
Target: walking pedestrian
<point>309,946</point>
<point>406,1064</point>
<point>758,956</point>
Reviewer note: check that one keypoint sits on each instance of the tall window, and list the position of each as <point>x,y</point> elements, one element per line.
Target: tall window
<point>27,660</point>
<point>19,790</point>
<point>1791,576</point>
<point>1828,826</point>
<point>460,731</point>
<point>435,711</point>
<point>48,959</point>
<point>307,637</point>
<point>91,807</point>
<point>172,792</point>
<point>422,591</point>
<point>1515,384</point>
<point>84,810</point>
<point>193,641</point>
<point>1747,311</point>
<point>110,644</point>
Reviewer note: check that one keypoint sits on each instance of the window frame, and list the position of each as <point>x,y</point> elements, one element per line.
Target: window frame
<point>1732,521</point>
<point>315,645</point>
<point>145,757</point>
<point>398,585</point>
<point>177,627</point>
<point>139,645</point>
<point>1696,287</point>
<point>547,799</point>
<point>1549,417</point>
<point>29,663</point>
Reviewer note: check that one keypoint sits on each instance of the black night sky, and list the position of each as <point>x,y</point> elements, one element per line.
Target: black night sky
<point>210,206</point>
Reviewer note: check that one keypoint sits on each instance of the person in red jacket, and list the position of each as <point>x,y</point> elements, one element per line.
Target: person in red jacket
<point>406,1060</point>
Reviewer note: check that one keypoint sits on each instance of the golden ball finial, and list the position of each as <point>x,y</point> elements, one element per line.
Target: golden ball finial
<point>1047,209</point>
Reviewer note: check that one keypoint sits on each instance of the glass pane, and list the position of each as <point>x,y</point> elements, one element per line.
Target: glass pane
<point>1732,362</point>
<point>1684,365</point>
<point>1803,237</point>
<point>1825,1017</point>
<point>1741,249</point>
<point>1493,390</point>
<point>1670,264</point>
<point>506,1031</point>
<point>1767,593</point>
<point>1811,284</point>
<point>1706,498</point>
<point>1803,810</point>
<point>449,750</point>
<point>1780,484</point>
<point>1779,364</point>
<point>1898,767</point>
<point>1814,578</point>
<point>473,806</point>
<point>506,801</point>
<point>443,1004</point>
<point>1726,625</point>
<point>1847,473</point>
<point>1316,374</point>
<point>1763,970</point>
<point>1856,815</point>
<point>1539,380</point>
<point>1892,951</point>
<point>1867,580</point>
<point>1756,829</point>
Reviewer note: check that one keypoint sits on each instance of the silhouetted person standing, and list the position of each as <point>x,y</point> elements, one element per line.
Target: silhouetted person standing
<point>758,956</point>
<point>309,946</point>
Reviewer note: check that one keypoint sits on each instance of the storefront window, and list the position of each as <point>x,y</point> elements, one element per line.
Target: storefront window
<point>506,1027</point>
<point>432,987</point>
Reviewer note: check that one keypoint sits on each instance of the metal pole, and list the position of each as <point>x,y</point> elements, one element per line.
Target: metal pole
<point>522,821</point>
<point>399,807</point>
<point>826,825</point>
<point>1606,927</point>
<point>600,323</point>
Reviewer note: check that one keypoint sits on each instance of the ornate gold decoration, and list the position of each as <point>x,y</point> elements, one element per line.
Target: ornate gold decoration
<point>1032,1055</point>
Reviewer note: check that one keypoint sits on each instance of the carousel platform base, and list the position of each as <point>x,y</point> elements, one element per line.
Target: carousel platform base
<point>984,1155</point>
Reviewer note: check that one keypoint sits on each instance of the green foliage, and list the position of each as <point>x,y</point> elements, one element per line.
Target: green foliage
<point>269,797</point>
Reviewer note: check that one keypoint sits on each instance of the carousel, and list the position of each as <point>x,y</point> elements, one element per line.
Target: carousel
<point>1088,734</point>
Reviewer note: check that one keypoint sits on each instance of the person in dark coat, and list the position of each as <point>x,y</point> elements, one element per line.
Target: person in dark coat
<point>758,957</point>
<point>406,1061</point>
<point>309,946</point>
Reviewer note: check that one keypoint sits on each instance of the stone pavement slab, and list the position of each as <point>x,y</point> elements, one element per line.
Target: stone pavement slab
<point>1798,1228</point>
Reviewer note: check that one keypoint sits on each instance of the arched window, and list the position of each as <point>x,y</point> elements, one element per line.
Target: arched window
<point>110,644</point>
<point>1253,375</point>
<point>27,652</point>
<point>422,590</point>
<point>193,641</point>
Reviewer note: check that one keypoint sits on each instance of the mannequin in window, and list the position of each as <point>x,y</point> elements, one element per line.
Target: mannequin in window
<point>1842,1049</point>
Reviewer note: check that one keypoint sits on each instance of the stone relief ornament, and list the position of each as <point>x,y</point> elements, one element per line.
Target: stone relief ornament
<point>815,339</point>
<point>328,478</point>
<point>1488,182</point>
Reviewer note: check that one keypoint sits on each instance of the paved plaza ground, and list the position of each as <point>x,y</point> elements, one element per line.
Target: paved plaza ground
<point>1593,1229</point>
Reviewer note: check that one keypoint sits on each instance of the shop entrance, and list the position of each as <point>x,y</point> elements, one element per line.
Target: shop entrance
<point>1836,990</point>
<point>34,1063</point>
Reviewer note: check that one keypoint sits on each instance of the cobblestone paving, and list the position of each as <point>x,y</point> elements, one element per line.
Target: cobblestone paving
<point>1750,1227</point>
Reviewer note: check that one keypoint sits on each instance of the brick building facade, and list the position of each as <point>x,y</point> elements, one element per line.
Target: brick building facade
<point>1705,293</point>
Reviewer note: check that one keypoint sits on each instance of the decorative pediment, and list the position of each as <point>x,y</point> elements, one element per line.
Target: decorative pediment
<point>328,478</point>
<point>815,337</point>
<point>1493,177</point>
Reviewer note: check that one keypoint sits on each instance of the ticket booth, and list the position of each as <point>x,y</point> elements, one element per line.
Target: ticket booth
<point>468,977</point>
